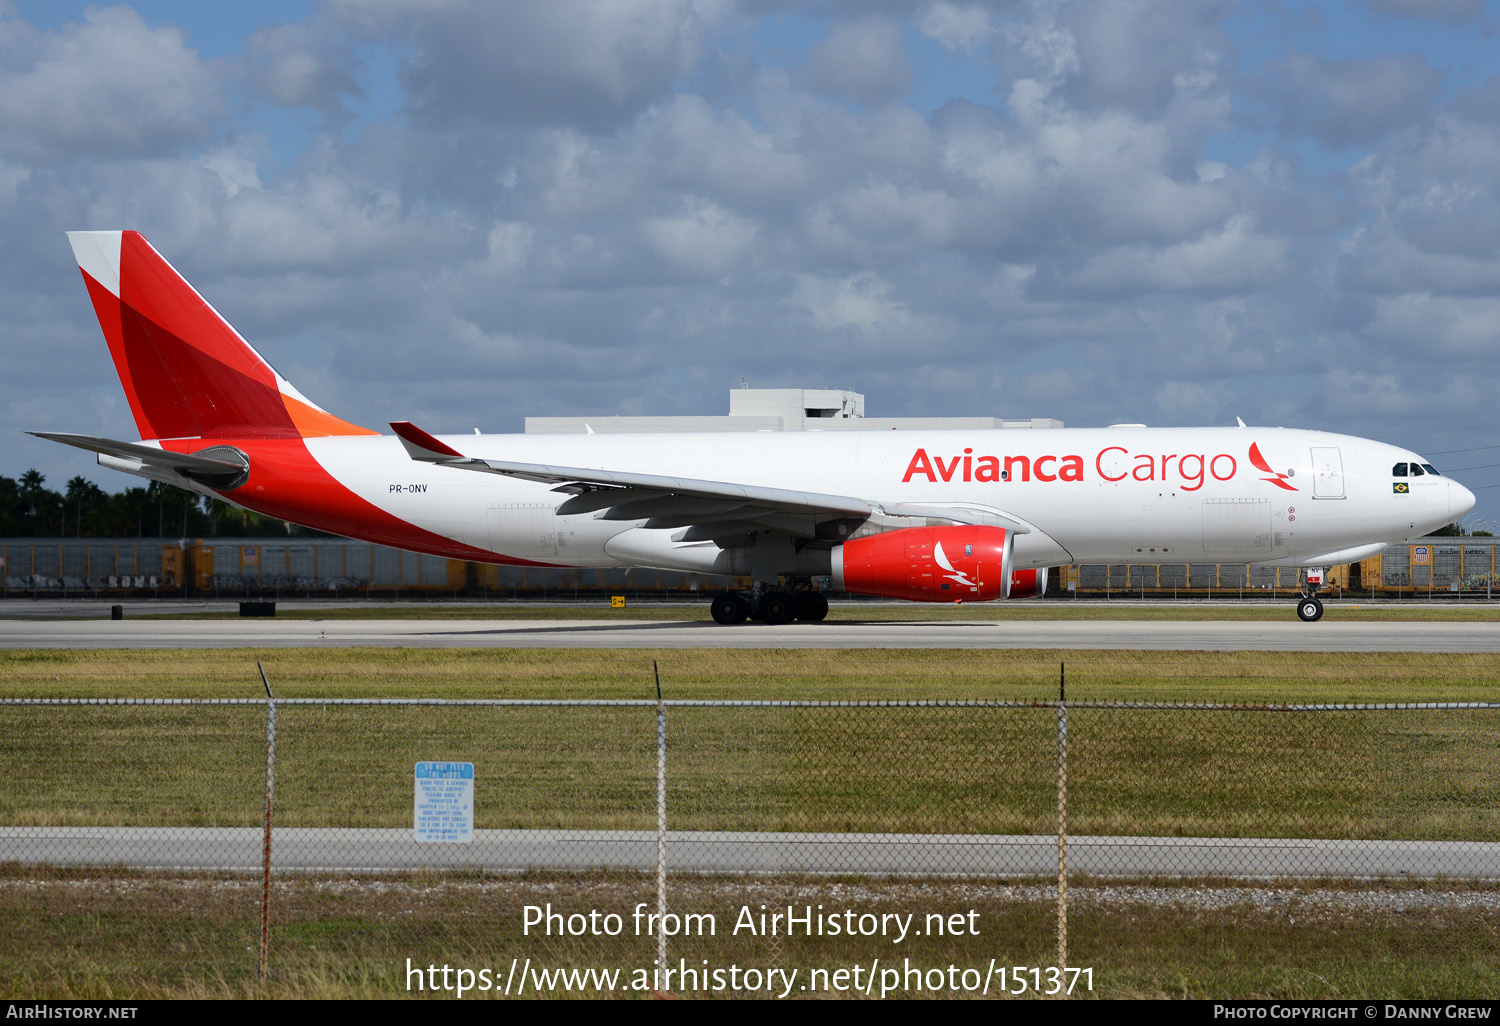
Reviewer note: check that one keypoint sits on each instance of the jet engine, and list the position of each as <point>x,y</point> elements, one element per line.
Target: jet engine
<point>935,564</point>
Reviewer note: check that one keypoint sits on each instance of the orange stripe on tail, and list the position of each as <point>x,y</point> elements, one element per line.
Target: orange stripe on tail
<point>186,372</point>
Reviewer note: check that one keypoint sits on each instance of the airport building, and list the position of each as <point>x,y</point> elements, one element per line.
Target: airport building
<point>779,409</point>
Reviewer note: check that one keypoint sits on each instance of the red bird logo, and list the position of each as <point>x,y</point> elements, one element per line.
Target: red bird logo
<point>1279,480</point>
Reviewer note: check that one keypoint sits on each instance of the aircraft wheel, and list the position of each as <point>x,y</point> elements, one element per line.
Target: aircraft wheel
<point>1309,609</point>
<point>776,607</point>
<point>811,606</point>
<point>729,608</point>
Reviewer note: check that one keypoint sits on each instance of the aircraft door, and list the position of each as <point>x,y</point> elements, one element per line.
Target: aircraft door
<point>1237,528</point>
<point>1328,472</point>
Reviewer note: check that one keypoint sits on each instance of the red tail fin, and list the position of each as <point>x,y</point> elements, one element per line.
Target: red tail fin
<point>187,373</point>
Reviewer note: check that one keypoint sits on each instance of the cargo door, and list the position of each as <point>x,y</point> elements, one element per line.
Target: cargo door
<point>1237,528</point>
<point>522,529</point>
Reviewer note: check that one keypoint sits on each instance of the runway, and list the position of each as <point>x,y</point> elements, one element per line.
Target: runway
<point>693,631</point>
<point>355,850</point>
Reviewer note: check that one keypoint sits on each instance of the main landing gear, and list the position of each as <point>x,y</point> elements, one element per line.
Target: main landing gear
<point>768,605</point>
<point>1309,608</point>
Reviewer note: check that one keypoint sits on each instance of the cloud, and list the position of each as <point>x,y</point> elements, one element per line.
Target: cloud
<point>578,208</point>
<point>861,301</point>
<point>1134,55</point>
<point>564,62</point>
<point>291,65</point>
<point>864,61</point>
<point>957,27</point>
<point>1435,212</point>
<point>1232,259</point>
<point>109,86</point>
<point>1446,10</point>
<point>704,240</point>
<point>1344,103</point>
<point>1441,326</point>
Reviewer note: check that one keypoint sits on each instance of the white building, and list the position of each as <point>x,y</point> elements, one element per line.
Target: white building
<point>779,409</point>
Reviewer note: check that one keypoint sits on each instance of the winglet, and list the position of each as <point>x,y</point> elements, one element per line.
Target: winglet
<point>1241,421</point>
<point>423,447</point>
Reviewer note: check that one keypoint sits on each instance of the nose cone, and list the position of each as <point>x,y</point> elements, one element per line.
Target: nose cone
<point>1460,500</point>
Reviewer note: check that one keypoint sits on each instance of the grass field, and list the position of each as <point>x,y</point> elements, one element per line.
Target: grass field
<point>755,674</point>
<point>988,770</point>
<point>130,935</point>
<point>117,933</point>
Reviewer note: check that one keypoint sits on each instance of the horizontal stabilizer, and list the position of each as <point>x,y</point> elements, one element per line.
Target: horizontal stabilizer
<point>224,466</point>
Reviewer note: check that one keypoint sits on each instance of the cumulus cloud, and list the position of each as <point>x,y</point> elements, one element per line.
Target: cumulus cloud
<point>1435,212</point>
<point>292,65</point>
<point>1135,55</point>
<point>108,86</point>
<point>864,61</point>
<point>1446,10</point>
<point>594,209</point>
<point>1232,259</point>
<point>1446,326</point>
<point>1347,102</point>
<point>860,301</point>
<point>957,27</point>
<point>564,62</point>
<point>704,240</point>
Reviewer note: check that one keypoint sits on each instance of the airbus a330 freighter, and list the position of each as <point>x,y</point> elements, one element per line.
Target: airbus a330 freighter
<point>930,516</point>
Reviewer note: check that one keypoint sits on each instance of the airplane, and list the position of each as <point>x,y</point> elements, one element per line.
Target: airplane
<point>923,515</point>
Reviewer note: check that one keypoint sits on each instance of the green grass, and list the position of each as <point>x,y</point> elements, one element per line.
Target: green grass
<point>952,770</point>
<point>755,674</point>
<point>101,933</point>
<point>163,935</point>
<point>1197,773</point>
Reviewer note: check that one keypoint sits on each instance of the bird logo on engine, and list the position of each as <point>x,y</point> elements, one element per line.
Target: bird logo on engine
<point>956,576</point>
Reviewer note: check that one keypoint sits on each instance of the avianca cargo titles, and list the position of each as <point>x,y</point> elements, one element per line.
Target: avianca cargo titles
<point>922,515</point>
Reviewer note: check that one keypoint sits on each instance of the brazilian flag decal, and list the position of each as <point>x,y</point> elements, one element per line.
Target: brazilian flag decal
<point>1400,487</point>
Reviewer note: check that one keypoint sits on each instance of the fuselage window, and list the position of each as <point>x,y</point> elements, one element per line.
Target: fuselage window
<point>1399,470</point>
<point>1431,469</point>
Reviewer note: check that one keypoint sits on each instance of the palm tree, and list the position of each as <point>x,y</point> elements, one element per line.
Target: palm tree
<point>77,494</point>
<point>31,488</point>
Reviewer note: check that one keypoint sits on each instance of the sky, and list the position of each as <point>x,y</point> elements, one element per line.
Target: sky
<point>1171,212</point>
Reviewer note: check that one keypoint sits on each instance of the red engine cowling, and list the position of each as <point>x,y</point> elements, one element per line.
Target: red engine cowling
<point>934,564</point>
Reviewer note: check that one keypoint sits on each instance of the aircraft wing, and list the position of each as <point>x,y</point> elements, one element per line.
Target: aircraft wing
<point>721,511</point>
<point>664,501</point>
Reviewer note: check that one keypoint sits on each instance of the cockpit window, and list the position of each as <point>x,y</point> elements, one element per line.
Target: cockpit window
<point>1416,470</point>
<point>1399,470</point>
<point>1431,469</point>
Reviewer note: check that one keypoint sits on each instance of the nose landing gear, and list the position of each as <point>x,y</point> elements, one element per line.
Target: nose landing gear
<point>1309,609</point>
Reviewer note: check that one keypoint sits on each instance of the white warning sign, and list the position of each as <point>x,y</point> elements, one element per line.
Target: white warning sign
<point>443,802</point>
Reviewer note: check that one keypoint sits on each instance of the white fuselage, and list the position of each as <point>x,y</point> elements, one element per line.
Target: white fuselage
<point>1163,495</point>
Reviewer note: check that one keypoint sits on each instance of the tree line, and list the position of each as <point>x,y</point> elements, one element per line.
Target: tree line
<point>29,509</point>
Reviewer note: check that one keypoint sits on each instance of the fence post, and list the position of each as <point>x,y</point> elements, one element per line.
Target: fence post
<point>1062,819</point>
<point>661,827</point>
<point>265,888</point>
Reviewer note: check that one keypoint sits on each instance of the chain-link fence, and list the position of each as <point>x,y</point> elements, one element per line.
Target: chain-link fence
<point>912,848</point>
